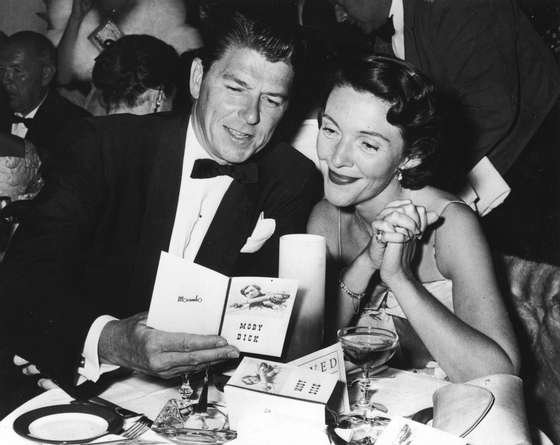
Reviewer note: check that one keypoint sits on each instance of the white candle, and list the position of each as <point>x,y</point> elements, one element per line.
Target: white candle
<point>303,257</point>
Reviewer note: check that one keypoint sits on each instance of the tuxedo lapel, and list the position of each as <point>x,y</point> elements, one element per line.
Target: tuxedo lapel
<point>5,113</point>
<point>232,224</point>
<point>44,119</point>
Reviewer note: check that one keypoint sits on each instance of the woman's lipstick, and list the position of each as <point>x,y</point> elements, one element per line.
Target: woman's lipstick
<point>341,179</point>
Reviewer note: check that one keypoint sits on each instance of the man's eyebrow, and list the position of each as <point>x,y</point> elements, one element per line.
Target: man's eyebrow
<point>323,115</point>
<point>233,78</point>
<point>242,83</point>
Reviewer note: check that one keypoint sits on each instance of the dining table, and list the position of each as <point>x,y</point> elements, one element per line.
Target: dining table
<point>403,393</point>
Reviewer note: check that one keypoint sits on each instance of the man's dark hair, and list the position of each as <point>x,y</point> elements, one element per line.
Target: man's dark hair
<point>131,66</point>
<point>42,47</point>
<point>413,106</point>
<point>276,39</point>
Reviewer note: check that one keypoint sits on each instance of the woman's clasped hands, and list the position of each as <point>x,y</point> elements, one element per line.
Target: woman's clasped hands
<point>396,230</point>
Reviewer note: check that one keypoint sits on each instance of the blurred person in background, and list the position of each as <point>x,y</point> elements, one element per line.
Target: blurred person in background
<point>138,74</point>
<point>82,28</point>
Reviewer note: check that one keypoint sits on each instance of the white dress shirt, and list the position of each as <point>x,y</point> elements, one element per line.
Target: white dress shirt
<point>197,205</point>
<point>19,128</point>
<point>397,41</point>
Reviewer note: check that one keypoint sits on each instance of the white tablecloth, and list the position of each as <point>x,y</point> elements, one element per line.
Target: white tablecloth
<point>402,392</point>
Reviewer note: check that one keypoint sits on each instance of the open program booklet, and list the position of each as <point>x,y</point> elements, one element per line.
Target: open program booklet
<point>251,313</point>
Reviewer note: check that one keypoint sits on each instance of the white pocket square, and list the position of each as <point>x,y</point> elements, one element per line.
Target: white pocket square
<point>263,230</point>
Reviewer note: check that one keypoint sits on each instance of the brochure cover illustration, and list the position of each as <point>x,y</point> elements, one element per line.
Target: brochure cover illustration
<point>283,380</point>
<point>251,313</point>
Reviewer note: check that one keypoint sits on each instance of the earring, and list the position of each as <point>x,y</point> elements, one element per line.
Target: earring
<point>399,175</point>
<point>159,100</point>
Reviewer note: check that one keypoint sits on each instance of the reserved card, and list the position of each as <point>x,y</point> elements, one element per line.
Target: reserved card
<point>251,313</point>
<point>331,361</point>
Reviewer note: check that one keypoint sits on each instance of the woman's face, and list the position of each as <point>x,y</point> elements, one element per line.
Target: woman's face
<point>359,151</point>
<point>251,292</point>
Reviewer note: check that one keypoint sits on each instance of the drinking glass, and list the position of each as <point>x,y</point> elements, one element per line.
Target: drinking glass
<point>184,417</point>
<point>368,348</point>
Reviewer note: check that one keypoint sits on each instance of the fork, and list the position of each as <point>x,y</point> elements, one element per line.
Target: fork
<point>139,427</point>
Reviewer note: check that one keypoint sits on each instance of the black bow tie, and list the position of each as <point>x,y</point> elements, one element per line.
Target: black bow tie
<point>207,168</point>
<point>21,120</point>
<point>386,31</point>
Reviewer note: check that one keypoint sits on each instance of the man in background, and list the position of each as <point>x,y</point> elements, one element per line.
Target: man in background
<point>38,112</point>
<point>500,83</point>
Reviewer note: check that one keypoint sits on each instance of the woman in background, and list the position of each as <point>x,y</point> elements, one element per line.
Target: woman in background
<point>137,74</point>
<point>409,254</point>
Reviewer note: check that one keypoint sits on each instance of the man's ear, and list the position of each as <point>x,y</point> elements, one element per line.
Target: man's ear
<point>47,74</point>
<point>410,163</point>
<point>195,81</point>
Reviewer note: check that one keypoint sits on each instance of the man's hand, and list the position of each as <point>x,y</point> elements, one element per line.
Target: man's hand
<point>80,8</point>
<point>132,344</point>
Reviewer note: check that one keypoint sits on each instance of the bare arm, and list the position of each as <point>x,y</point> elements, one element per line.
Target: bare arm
<point>355,278</point>
<point>67,44</point>
<point>479,329</point>
<point>341,308</point>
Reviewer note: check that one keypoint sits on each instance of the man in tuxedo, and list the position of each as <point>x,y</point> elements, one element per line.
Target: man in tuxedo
<point>209,187</point>
<point>499,83</point>
<point>38,112</point>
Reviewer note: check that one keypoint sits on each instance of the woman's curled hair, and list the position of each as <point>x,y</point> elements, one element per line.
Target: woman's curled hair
<point>413,106</point>
<point>132,65</point>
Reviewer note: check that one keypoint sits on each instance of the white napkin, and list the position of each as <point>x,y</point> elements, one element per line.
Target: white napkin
<point>503,422</point>
<point>263,230</point>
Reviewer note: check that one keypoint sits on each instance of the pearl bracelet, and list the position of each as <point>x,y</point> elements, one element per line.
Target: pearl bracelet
<point>356,296</point>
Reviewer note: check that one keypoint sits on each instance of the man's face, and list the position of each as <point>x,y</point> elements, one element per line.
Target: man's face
<point>368,15</point>
<point>24,78</point>
<point>239,102</point>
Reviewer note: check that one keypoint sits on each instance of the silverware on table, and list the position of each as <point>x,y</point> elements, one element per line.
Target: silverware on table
<point>197,435</point>
<point>134,441</point>
<point>139,427</point>
<point>119,410</point>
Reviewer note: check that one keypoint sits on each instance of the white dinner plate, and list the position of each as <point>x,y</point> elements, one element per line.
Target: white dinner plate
<point>70,423</point>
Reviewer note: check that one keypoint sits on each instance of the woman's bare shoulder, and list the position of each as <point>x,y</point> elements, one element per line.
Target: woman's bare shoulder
<point>437,200</point>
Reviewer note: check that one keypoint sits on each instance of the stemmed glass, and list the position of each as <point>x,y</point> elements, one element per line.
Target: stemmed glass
<point>185,390</point>
<point>369,348</point>
<point>182,419</point>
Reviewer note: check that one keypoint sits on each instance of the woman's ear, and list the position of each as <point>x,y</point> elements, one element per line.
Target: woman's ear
<point>195,81</point>
<point>48,72</point>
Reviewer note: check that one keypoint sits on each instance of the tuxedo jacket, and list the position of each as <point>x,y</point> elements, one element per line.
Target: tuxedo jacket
<point>490,63</point>
<point>54,115</point>
<point>91,244</point>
